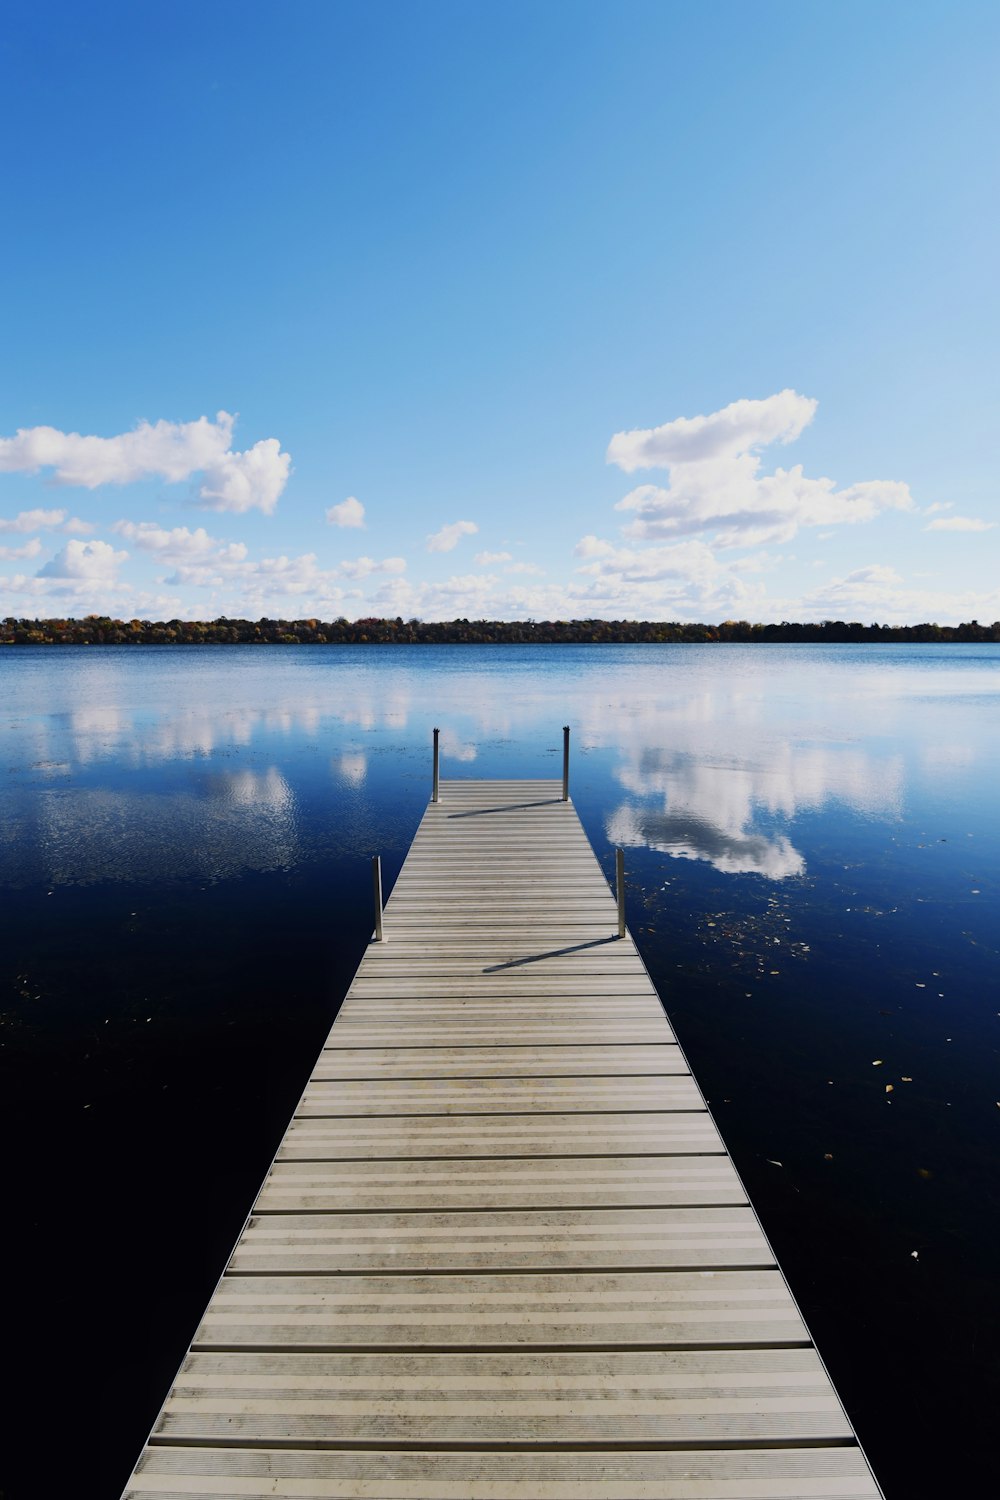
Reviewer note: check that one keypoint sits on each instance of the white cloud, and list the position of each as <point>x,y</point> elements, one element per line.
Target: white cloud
<point>231,553</point>
<point>95,595</point>
<point>93,562</point>
<point>737,428</point>
<point>33,520</point>
<point>674,580</point>
<point>449,536</point>
<point>171,450</point>
<point>959,523</point>
<point>879,593</point>
<point>874,573</point>
<point>592,546</point>
<point>177,543</point>
<point>363,566</point>
<point>30,549</point>
<point>761,562</point>
<point>167,450</point>
<point>691,560</point>
<point>349,512</point>
<point>465,586</point>
<point>487,559</point>
<point>526,568</point>
<point>716,485</point>
<point>247,481</point>
<point>252,585</point>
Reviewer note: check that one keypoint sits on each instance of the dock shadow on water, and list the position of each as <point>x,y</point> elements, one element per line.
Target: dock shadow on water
<point>812,855</point>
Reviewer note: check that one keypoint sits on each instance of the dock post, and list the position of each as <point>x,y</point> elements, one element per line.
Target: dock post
<point>377,893</point>
<point>437,763</point>
<point>565,795</point>
<point>620,885</point>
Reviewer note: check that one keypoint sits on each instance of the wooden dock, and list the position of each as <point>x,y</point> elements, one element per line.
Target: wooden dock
<point>502,1253</point>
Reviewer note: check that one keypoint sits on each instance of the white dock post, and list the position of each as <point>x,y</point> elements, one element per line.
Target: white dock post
<point>377,893</point>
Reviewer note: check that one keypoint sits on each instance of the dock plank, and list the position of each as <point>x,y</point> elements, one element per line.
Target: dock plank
<point>504,1240</point>
<point>502,1252</point>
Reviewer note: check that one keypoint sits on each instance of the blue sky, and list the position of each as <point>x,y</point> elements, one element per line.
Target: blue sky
<point>675,311</point>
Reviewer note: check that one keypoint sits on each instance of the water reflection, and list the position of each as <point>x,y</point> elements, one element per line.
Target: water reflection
<point>370,708</point>
<point>687,836</point>
<point>710,797</point>
<point>233,822</point>
<point>709,756</point>
<point>454,748</point>
<point>352,768</point>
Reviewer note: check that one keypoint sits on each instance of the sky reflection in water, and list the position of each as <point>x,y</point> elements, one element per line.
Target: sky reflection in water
<point>812,865</point>
<point>181,764</point>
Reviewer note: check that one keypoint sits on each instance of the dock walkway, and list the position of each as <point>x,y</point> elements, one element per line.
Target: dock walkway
<point>502,1253</point>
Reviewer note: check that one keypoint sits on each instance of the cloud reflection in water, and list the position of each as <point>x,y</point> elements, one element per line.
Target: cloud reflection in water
<point>724,769</point>
<point>686,836</point>
<point>238,821</point>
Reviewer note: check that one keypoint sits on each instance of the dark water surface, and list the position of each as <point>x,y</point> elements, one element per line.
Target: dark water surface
<point>812,843</point>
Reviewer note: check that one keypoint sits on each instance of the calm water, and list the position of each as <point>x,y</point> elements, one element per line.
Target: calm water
<point>813,852</point>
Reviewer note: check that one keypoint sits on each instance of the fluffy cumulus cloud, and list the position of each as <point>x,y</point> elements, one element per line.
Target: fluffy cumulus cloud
<point>173,451</point>
<point>488,559</point>
<point>252,480</point>
<point>349,512</point>
<point>89,562</point>
<point>449,536</point>
<point>716,485</point>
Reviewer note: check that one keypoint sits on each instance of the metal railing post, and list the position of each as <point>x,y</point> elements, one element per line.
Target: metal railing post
<point>377,893</point>
<point>565,795</point>
<point>437,764</point>
<point>620,885</point>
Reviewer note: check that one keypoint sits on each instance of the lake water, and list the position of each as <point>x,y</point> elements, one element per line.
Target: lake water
<point>812,844</point>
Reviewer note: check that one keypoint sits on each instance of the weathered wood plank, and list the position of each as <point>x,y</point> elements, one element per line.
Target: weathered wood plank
<point>400,1136</point>
<point>434,1096</point>
<point>304,1186</point>
<point>677,1397</point>
<point>498,1062</point>
<point>406,1035</point>
<point>498,1240</point>
<point>490,1310</point>
<point>836,1473</point>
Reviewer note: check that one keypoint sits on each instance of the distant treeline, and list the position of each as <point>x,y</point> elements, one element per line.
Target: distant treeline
<point>100,630</point>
